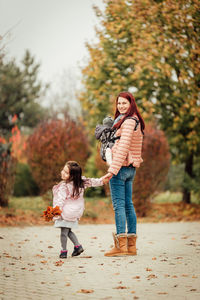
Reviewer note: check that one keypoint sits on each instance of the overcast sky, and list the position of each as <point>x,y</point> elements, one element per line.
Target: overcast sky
<point>55,31</point>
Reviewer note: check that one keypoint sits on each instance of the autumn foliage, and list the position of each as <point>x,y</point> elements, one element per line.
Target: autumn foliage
<point>51,212</point>
<point>51,145</point>
<point>152,172</point>
<point>154,52</point>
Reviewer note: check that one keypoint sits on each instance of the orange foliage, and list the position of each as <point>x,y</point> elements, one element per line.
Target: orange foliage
<point>51,145</point>
<point>51,212</point>
<point>18,144</point>
<point>153,171</point>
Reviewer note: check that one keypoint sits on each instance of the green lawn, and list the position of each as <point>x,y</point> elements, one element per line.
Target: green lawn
<point>38,204</point>
<point>169,197</point>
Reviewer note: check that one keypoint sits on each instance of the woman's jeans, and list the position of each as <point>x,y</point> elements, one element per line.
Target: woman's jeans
<point>121,194</point>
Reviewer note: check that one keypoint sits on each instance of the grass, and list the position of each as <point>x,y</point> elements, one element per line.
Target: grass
<point>173,197</point>
<point>35,204</point>
<point>165,206</point>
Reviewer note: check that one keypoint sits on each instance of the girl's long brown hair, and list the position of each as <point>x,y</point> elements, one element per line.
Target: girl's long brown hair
<point>132,110</point>
<point>75,172</point>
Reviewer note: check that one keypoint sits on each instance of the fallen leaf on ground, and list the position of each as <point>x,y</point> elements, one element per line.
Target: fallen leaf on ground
<point>151,276</point>
<point>85,257</point>
<point>59,263</point>
<point>148,269</point>
<point>162,293</point>
<point>84,291</point>
<point>120,287</point>
<point>43,261</point>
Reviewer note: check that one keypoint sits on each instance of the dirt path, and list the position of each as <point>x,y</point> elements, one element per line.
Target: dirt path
<point>167,265</point>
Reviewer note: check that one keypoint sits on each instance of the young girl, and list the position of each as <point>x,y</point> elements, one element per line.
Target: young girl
<point>68,195</point>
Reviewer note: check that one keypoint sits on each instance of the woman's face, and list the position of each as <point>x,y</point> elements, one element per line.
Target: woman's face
<point>123,105</point>
<point>65,173</point>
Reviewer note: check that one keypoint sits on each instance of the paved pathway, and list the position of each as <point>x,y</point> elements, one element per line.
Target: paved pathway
<point>167,265</point>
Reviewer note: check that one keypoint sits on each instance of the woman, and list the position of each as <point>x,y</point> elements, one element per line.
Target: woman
<point>126,156</point>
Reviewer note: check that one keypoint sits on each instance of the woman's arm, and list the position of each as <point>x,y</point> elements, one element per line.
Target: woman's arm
<point>123,146</point>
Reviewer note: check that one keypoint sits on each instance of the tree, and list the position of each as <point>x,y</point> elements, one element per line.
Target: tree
<point>19,92</point>
<point>51,145</point>
<point>7,171</point>
<point>152,48</point>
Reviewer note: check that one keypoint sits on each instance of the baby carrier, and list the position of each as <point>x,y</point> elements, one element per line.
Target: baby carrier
<point>106,134</point>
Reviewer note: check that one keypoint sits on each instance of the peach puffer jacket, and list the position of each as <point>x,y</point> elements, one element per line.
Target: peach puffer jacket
<point>72,207</point>
<point>127,150</point>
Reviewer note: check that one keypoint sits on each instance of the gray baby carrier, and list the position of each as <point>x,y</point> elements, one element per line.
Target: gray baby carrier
<point>106,134</point>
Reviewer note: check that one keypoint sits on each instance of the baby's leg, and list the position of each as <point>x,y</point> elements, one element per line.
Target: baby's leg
<point>63,237</point>
<point>108,155</point>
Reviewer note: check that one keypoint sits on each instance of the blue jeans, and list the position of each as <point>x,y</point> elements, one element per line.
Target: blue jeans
<point>121,194</point>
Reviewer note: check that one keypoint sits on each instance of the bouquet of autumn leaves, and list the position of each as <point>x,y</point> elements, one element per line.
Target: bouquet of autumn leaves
<point>51,212</point>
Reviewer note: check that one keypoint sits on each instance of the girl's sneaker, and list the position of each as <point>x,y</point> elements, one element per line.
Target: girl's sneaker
<point>77,250</point>
<point>63,254</point>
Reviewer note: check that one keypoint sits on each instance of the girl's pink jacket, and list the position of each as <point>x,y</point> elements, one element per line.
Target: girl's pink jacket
<point>72,207</point>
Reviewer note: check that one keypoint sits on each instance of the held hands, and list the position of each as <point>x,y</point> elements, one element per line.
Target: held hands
<point>107,177</point>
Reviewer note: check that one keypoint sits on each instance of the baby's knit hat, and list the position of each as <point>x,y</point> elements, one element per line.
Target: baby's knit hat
<point>108,121</point>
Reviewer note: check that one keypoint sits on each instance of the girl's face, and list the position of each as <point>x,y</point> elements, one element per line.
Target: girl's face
<point>65,173</point>
<point>123,105</point>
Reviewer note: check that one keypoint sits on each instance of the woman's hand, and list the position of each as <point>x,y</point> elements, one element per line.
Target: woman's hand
<point>107,177</point>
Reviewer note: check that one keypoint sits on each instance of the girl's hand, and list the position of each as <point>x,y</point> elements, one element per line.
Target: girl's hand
<point>107,177</point>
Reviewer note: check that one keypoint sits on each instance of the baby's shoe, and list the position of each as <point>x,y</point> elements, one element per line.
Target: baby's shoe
<point>77,250</point>
<point>63,254</point>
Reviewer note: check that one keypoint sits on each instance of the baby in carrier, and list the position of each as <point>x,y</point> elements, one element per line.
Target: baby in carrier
<point>106,134</point>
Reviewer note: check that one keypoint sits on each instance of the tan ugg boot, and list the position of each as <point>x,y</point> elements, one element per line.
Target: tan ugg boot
<point>120,246</point>
<point>131,244</point>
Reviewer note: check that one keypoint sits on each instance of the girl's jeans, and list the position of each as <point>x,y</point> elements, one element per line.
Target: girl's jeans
<point>121,194</point>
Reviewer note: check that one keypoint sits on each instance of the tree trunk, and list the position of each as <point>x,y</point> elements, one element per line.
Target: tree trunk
<point>188,170</point>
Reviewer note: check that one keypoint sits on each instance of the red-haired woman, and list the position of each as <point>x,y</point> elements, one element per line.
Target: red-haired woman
<point>126,156</point>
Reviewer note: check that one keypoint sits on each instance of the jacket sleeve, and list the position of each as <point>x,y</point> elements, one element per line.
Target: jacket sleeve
<point>60,195</point>
<point>93,182</point>
<point>123,146</point>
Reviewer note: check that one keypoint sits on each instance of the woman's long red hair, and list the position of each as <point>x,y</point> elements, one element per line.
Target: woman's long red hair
<point>133,110</point>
